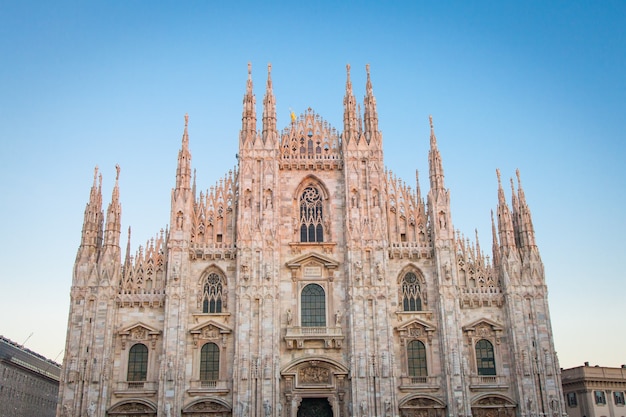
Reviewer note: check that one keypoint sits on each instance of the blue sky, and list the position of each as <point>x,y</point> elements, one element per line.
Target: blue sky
<point>534,85</point>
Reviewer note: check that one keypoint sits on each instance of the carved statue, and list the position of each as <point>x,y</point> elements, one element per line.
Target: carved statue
<point>338,318</point>
<point>289,317</point>
<point>168,409</point>
<point>244,408</point>
<point>267,407</point>
<point>91,410</point>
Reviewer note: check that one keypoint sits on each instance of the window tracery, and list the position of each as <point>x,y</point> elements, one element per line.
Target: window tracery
<point>311,215</point>
<point>411,292</point>
<point>213,293</point>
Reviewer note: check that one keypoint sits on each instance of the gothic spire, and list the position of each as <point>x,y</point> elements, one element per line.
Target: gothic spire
<point>434,161</point>
<point>418,188</point>
<point>505,223</point>
<point>248,117</point>
<point>371,114</point>
<point>112,229</point>
<point>526,228</point>
<point>93,220</point>
<point>515,214</point>
<point>494,244</point>
<point>183,170</point>
<point>350,127</point>
<point>269,108</point>
<point>127,262</point>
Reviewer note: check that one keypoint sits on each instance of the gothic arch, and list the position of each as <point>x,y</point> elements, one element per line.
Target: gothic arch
<point>213,290</point>
<point>211,268</point>
<point>412,293</point>
<point>133,406</point>
<point>312,180</point>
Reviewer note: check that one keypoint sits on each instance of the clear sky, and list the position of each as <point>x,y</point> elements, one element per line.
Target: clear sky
<point>534,85</point>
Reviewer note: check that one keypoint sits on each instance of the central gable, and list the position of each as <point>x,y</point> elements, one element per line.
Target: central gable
<point>310,138</point>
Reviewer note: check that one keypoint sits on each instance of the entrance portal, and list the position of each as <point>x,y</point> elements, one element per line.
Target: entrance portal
<point>315,407</point>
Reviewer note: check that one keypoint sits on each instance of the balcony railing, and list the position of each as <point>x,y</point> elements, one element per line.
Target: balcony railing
<point>297,336</point>
<point>421,382</point>
<point>206,387</point>
<point>489,382</point>
<point>126,388</point>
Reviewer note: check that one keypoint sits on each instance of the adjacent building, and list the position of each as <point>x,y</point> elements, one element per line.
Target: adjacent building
<point>29,383</point>
<point>310,280</point>
<point>595,391</point>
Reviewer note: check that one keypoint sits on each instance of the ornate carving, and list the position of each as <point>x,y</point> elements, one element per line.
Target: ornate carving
<point>314,375</point>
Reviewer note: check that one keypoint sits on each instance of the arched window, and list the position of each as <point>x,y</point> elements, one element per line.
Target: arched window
<point>209,362</point>
<point>485,359</point>
<point>212,294</point>
<point>416,352</point>
<point>311,216</point>
<point>138,363</point>
<point>313,306</point>
<point>411,296</point>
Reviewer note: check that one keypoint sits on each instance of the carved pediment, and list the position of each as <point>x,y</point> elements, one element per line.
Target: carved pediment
<point>484,328</point>
<point>422,402</point>
<point>132,407</point>
<point>482,324</point>
<point>313,266</point>
<point>210,330</point>
<point>312,259</point>
<point>205,407</point>
<point>139,332</point>
<point>416,328</point>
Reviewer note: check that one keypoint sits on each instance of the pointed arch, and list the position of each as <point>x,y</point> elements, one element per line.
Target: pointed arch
<point>411,289</point>
<point>212,292</point>
<point>312,211</point>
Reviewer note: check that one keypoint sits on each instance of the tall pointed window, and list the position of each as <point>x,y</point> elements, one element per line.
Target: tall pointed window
<point>411,296</point>
<point>311,216</point>
<point>416,353</point>
<point>485,359</point>
<point>209,362</point>
<point>313,303</point>
<point>138,363</point>
<point>212,294</point>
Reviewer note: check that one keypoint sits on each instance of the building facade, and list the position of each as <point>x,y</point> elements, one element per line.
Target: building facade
<point>29,383</point>
<point>309,281</point>
<point>595,391</point>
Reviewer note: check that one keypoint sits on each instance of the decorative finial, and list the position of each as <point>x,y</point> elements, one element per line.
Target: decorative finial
<point>498,174</point>
<point>269,68</point>
<point>117,168</point>
<point>249,69</point>
<point>186,119</point>
<point>367,69</point>
<point>348,69</point>
<point>95,174</point>
<point>430,120</point>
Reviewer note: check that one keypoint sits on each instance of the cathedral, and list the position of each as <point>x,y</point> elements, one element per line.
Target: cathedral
<point>309,281</point>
